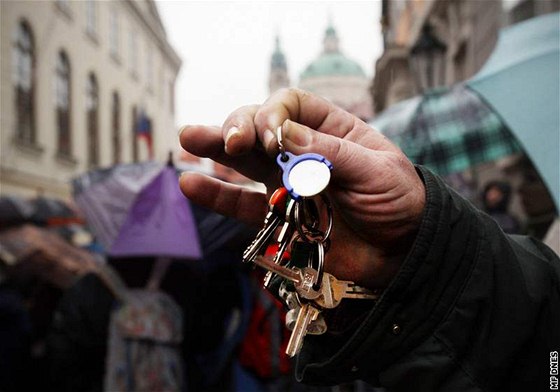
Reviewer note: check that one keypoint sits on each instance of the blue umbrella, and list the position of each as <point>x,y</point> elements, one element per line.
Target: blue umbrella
<point>521,82</point>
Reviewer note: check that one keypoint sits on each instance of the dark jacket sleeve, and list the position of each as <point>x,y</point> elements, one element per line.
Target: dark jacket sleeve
<point>471,309</point>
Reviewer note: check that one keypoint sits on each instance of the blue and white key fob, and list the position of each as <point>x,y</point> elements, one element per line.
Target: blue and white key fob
<point>304,175</point>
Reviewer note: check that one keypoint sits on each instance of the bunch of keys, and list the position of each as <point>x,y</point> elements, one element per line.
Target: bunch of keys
<point>293,218</point>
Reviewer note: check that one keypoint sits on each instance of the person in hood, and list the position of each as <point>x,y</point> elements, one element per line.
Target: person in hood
<point>496,197</point>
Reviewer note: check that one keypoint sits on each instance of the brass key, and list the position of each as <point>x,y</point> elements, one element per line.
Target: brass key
<point>333,291</point>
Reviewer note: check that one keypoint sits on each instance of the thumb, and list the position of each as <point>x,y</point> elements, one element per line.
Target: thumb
<point>352,163</point>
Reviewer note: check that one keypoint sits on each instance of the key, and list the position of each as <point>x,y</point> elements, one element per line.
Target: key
<point>316,327</point>
<point>292,274</point>
<point>333,291</point>
<point>284,239</point>
<point>291,299</point>
<point>303,279</point>
<point>306,315</point>
<point>286,233</point>
<point>272,220</point>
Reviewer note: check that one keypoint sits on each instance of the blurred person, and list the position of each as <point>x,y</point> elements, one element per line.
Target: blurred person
<point>496,197</point>
<point>542,216</point>
<point>464,306</point>
<point>535,199</point>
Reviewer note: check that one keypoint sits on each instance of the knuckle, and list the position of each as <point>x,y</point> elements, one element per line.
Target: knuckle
<point>261,119</point>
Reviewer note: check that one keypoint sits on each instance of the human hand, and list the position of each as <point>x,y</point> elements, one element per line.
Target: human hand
<point>377,196</point>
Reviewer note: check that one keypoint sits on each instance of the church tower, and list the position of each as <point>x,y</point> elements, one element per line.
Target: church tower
<point>278,70</point>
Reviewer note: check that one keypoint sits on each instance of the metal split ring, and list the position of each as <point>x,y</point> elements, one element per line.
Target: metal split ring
<point>310,232</point>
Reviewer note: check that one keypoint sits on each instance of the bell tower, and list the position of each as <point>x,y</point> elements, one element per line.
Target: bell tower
<point>278,69</point>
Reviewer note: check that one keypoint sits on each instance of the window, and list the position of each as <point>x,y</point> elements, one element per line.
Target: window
<point>116,127</point>
<point>114,34</point>
<point>133,52</point>
<point>149,67</point>
<point>63,104</point>
<point>134,123</point>
<point>24,75</point>
<point>92,105</point>
<point>91,17</point>
<point>64,7</point>
<point>171,97</point>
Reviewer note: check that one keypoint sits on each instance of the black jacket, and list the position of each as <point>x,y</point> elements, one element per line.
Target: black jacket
<point>471,309</point>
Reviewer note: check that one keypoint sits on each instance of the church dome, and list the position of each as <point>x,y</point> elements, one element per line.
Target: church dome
<point>332,62</point>
<point>329,64</point>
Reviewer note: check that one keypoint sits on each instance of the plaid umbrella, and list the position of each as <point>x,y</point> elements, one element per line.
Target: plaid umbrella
<point>448,130</point>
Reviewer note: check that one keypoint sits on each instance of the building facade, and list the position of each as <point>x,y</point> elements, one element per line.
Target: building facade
<point>331,75</point>
<point>85,84</point>
<point>466,30</point>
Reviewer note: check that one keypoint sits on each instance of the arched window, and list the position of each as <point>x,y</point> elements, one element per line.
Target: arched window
<point>92,106</point>
<point>63,105</point>
<point>116,127</point>
<point>134,123</point>
<point>24,76</point>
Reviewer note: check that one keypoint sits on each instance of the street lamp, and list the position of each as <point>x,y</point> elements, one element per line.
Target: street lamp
<point>428,60</point>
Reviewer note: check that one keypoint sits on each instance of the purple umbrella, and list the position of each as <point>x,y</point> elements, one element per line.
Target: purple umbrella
<point>138,210</point>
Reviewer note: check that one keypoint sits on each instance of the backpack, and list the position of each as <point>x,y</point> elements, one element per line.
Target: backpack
<point>262,351</point>
<point>145,336</point>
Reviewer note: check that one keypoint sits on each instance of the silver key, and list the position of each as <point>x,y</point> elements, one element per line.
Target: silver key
<point>306,315</point>
<point>303,279</point>
<point>292,274</point>
<point>271,222</point>
<point>291,299</point>
<point>316,327</point>
<point>286,233</point>
<point>283,240</point>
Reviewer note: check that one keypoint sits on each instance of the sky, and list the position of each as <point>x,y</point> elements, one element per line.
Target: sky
<point>226,47</point>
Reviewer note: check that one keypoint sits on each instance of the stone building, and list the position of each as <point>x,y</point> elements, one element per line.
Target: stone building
<point>331,75</point>
<point>85,84</point>
<point>466,31</point>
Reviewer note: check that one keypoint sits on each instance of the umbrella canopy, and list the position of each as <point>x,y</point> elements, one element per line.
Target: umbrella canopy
<point>15,210</point>
<point>448,130</point>
<point>53,212</point>
<point>29,250</point>
<point>521,82</point>
<point>138,210</point>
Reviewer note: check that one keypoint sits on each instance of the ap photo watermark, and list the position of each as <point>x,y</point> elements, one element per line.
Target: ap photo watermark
<point>554,370</point>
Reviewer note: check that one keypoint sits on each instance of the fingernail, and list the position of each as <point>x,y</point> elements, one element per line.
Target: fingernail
<point>296,133</point>
<point>268,137</point>
<point>182,129</point>
<point>232,134</point>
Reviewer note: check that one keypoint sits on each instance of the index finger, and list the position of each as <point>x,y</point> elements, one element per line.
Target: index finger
<point>316,113</point>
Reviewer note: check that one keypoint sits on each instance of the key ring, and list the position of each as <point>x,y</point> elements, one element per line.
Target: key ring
<point>315,235</point>
<point>281,147</point>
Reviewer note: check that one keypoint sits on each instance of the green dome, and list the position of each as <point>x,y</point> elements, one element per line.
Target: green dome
<point>333,63</point>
